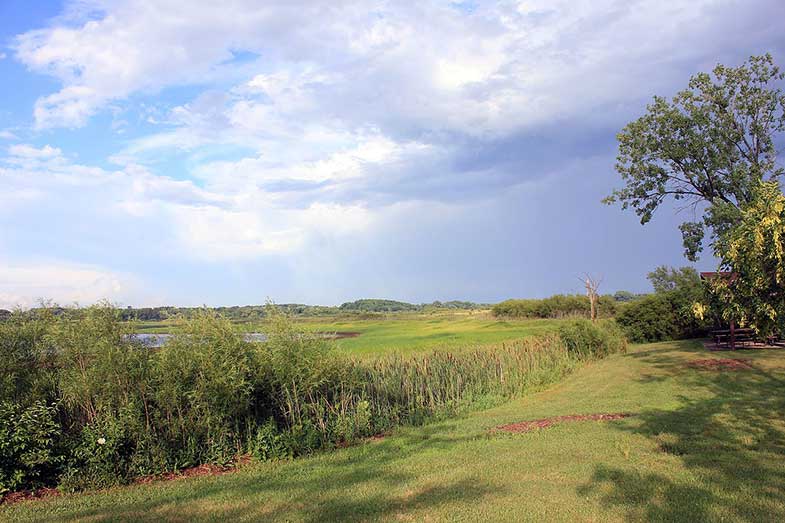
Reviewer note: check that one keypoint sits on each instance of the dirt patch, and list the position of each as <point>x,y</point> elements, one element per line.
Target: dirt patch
<point>202,470</point>
<point>720,364</point>
<point>339,335</point>
<point>528,426</point>
<point>24,495</point>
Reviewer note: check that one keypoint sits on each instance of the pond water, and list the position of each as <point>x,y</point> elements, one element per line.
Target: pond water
<point>158,340</point>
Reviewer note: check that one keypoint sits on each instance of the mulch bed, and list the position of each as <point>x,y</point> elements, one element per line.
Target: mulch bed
<point>528,426</point>
<point>192,472</point>
<point>24,495</point>
<point>720,364</point>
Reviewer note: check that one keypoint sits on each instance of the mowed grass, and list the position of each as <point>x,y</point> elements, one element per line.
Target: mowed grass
<point>703,446</point>
<point>408,333</point>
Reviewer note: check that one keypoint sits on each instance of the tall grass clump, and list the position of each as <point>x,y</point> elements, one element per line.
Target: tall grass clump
<point>409,390</point>
<point>84,405</point>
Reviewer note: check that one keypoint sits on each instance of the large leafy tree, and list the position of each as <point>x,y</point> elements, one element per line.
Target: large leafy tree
<point>684,280</point>
<point>708,148</point>
<point>753,253</point>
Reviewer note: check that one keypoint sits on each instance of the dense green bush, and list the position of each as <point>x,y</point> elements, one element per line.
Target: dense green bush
<point>102,409</point>
<point>649,319</point>
<point>202,391</point>
<point>587,339</point>
<point>27,358</point>
<point>30,438</point>
<point>103,454</point>
<point>268,443</point>
<point>558,306</point>
<point>100,371</point>
<point>666,314</point>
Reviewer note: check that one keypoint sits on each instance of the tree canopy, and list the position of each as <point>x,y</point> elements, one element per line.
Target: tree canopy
<point>683,279</point>
<point>707,148</point>
<point>754,252</point>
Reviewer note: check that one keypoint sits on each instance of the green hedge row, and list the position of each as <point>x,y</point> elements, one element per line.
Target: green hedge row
<point>558,306</point>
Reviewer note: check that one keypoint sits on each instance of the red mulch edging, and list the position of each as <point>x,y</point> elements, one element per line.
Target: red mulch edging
<point>528,426</point>
<point>720,364</point>
<point>202,470</point>
<point>192,472</point>
<point>24,495</point>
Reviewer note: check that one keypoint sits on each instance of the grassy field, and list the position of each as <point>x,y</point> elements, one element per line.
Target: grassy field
<point>703,445</point>
<point>409,332</point>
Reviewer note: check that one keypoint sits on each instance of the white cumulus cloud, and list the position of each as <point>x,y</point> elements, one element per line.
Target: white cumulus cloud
<point>23,285</point>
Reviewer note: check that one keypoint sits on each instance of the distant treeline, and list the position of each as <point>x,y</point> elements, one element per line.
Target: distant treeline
<point>236,313</point>
<point>367,305</point>
<point>257,312</point>
<point>558,306</point>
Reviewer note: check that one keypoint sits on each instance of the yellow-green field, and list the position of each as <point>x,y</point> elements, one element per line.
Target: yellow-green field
<point>702,446</point>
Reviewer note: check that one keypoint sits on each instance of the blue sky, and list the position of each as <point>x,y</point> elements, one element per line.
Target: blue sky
<point>198,152</point>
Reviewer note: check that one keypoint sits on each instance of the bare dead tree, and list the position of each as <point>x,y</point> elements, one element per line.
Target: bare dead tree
<point>592,286</point>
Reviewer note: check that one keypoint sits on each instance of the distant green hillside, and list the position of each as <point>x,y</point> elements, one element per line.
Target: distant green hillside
<point>377,305</point>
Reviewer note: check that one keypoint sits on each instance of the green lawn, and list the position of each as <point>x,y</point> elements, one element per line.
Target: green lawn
<point>409,332</point>
<point>703,446</point>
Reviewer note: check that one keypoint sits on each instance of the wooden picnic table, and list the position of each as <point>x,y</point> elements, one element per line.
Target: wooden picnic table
<point>732,337</point>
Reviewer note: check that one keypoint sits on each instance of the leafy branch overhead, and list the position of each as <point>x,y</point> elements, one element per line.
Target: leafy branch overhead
<point>708,148</point>
<point>754,252</point>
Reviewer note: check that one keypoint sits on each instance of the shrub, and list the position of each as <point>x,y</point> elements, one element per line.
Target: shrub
<point>650,319</point>
<point>101,371</point>
<point>101,455</point>
<point>29,446</point>
<point>27,358</point>
<point>294,367</point>
<point>667,314</point>
<point>268,443</point>
<point>203,382</point>
<point>587,339</point>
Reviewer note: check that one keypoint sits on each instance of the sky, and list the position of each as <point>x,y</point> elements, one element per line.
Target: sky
<point>193,152</point>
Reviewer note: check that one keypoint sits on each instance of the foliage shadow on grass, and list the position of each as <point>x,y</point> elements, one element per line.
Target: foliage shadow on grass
<point>320,491</point>
<point>729,436</point>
